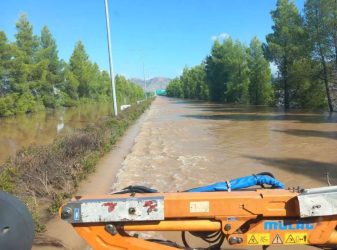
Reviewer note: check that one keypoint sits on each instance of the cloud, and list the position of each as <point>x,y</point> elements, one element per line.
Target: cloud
<point>224,36</point>
<point>221,36</point>
<point>213,38</point>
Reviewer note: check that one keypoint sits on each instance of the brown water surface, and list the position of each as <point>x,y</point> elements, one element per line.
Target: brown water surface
<point>185,144</point>
<point>41,128</point>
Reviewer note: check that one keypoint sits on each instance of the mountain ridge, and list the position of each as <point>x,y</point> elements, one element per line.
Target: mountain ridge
<point>152,84</point>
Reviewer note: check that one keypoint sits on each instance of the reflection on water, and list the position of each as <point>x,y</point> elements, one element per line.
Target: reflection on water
<point>184,144</point>
<point>60,125</point>
<point>43,127</point>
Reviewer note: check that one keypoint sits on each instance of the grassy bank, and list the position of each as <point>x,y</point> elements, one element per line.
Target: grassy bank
<point>43,176</point>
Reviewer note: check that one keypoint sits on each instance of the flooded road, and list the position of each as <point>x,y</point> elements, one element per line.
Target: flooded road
<point>41,128</point>
<point>187,144</point>
<point>184,144</point>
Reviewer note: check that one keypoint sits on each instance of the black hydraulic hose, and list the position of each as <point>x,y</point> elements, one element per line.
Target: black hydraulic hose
<point>183,238</point>
<point>165,242</point>
<point>205,236</point>
<point>218,245</point>
<point>136,189</point>
<point>266,173</point>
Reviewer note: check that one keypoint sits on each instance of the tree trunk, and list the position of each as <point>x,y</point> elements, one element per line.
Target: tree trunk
<point>326,82</point>
<point>323,62</point>
<point>256,93</point>
<point>285,83</point>
<point>334,33</point>
<point>286,93</point>
<point>335,42</point>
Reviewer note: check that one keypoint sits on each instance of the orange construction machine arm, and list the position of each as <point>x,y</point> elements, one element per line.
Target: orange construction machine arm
<point>261,217</point>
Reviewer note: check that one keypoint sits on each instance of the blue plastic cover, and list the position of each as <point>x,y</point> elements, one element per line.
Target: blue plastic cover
<point>240,183</point>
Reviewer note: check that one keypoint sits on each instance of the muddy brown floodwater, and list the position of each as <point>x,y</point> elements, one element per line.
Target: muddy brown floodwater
<point>20,131</point>
<point>185,144</point>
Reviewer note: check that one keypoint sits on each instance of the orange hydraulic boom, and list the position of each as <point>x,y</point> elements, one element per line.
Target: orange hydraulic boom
<point>259,217</point>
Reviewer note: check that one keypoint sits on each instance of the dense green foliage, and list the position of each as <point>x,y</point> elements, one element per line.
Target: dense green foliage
<point>231,73</point>
<point>175,88</point>
<point>260,89</point>
<point>32,77</point>
<point>321,27</point>
<point>303,47</point>
<point>286,44</point>
<point>191,84</point>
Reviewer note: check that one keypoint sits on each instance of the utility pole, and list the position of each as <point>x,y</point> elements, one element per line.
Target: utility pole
<point>112,76</point>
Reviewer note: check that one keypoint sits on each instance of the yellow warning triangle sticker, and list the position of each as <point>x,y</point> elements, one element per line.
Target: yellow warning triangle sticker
<point>290,239</point>
<point>277,240</point>
<point>253,240</point>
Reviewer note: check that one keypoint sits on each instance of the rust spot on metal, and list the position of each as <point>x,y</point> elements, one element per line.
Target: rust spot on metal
<point>151,206</point>
<point>111,206</point>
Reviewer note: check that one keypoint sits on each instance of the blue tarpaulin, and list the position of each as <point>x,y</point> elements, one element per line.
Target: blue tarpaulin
<point>240,183</point>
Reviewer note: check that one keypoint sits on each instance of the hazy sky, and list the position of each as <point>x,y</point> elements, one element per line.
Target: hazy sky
<point>165,35</point>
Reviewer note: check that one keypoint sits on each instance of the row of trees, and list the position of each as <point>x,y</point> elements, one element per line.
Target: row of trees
<point>33,77</point>
<point>231,73</point>
<point>302,46</point>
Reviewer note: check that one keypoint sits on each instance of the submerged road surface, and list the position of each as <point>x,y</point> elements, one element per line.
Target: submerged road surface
<point>185,144</point>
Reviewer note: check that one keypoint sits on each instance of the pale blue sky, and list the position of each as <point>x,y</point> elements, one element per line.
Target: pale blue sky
<point>164,34</point>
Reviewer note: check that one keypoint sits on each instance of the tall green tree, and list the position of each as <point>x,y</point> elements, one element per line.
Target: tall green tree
<point>193,83</point>
<point>5,57</point>
<point>48,69</point>
<point>260,89</point>
<point>199,75</point>
<point>126,91</point>
<point>33,77</point>
<point>307,87</point>
<point>95,84</point>
<point>79,66</point>
<point>174,88</point>
<point>238,74</point>
<point>70,86</point>
<point>105,88</point>
<point>188,84</point>
<point>216,70</point>
<point>24,50</point>
<point>227,72</point>
<point>330,19</point>
<point>48,51</point>
<point>26,41</point>
<point>286,43</point>
<point>317,27</point>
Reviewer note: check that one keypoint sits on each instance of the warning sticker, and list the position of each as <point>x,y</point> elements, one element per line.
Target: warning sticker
<point>277,240</point>
<point>258,239</point>
<point>296,238</point>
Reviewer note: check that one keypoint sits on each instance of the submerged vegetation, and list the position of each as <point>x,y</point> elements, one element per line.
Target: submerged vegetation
<point>32,77</point>
<point>303,48</point>
<point>43,176</point>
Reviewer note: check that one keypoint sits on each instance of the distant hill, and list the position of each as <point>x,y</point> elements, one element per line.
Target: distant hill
<point>153,83</point>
